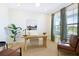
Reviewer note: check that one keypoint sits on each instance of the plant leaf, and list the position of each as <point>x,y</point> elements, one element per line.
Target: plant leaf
<point>14,27</point>
<point>13,31</point>
<point>12,36</point>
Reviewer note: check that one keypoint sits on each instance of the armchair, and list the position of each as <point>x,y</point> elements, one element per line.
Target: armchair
<point>69,47</point>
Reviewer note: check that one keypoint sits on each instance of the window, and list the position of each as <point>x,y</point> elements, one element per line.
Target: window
<point>71,16</point>
<point>57,26</point>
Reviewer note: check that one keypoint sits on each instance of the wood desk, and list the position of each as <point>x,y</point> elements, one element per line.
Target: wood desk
<point>26,37</point>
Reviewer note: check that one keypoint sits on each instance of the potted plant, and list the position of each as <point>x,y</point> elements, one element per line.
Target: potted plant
<point>14,30</point>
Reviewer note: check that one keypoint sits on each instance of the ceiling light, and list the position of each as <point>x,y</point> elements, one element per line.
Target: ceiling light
<point>37,4</point>
<point>18,5</point>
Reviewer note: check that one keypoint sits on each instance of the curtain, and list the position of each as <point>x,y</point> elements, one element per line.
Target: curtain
<point>78,22</point>
<point>52,26</point>
<point>63,24</point>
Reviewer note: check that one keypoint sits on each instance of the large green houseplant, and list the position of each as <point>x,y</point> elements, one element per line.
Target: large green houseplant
<point>14,31</point>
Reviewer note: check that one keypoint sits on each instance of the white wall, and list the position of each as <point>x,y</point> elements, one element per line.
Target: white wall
<point>3,21</point>
<point>23,19</point>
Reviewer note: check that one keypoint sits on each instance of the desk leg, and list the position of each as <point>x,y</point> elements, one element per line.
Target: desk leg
<point>20,51</point>
<point>25,47</point>
<point>45,42</point>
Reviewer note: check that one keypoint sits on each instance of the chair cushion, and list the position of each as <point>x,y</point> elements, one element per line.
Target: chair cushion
<point>73,41</point>
<point>65,47</point>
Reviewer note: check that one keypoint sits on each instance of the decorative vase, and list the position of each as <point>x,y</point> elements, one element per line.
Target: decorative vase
<point>44,33</point>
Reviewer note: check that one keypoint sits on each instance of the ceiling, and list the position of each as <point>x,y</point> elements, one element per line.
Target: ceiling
<point>45,8</point>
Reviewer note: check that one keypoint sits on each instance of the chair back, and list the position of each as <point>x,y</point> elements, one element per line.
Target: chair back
<point>73,41</point>
<point>3,43</point>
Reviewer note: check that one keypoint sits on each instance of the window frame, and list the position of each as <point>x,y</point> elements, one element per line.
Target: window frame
<point>72,15</point>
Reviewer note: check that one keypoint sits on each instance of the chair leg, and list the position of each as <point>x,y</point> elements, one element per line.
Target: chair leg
<point>3,47</point>
<point>58,52</point>
<point>7,46</point>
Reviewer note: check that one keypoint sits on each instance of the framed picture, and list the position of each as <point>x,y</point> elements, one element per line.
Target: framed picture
<point>32,27</point>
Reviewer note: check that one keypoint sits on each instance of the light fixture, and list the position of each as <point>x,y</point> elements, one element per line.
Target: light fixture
<point>37,4</point>
<point>18,5</point>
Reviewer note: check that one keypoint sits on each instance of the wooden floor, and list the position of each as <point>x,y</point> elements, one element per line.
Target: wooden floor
<point>51,50</point>
<point>41,51</point>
